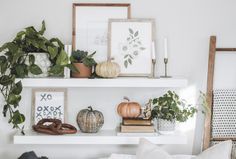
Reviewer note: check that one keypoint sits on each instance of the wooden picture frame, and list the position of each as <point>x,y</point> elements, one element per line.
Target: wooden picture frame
<point>124,31</point>
<point>49,103</point>
<point>90,26</point>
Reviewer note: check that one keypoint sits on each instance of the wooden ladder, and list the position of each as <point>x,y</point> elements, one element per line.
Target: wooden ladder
<point>210,78</point>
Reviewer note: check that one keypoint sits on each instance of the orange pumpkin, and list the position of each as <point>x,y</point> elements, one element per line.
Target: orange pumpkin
<point>129,109</point>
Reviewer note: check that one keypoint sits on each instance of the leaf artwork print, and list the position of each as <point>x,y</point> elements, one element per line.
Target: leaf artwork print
<point>133,47</point>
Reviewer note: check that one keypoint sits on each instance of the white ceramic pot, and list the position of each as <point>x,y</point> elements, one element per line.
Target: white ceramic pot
<point>165,126</point>
<point>42,60</point>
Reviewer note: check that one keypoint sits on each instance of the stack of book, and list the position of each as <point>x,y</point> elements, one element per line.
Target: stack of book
<point>139,125</point>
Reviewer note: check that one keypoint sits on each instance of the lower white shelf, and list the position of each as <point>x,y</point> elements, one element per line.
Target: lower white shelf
<point>103,137</point>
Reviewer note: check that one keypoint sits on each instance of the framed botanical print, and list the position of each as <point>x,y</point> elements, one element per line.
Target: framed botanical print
<point>49,103</point>
<point>90,26</point>
<point>130,44</point>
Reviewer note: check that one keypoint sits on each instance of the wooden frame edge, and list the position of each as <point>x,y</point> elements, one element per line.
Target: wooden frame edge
<point>210,76</point>
<point>34,90</point>
<point>151,20</point>
<point>128,5</point>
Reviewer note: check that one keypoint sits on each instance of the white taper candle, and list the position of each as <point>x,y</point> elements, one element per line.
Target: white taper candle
<point>153,50</point>
<point>165,47</point>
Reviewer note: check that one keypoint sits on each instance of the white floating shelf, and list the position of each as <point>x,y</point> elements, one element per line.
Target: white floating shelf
<point>118,82</point>
<point>101,138</point>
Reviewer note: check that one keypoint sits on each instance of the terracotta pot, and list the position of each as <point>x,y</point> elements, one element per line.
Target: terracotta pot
<point>84,71</point>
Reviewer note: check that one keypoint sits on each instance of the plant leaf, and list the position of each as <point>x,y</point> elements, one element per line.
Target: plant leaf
<point>3,47</point>
<point>6,80</point>
<point>5,109</point>
<point>3,64</point>
<point>72,68</point>
<point>12,47</point>
<point>17,88</point>
<point>43,28</point>
<point>13,99</point>
<point>17,118</point>
<point>31,32</point>
<point>78,56</point>
<point>57,42</point>
<point>53,51</point>
<point>3,67</point>
<point>19,36</point>
<point>31,59</point>
<point>21,70</point>
<point>91,55</point>
<point>62,59</point>
<point>56,70</point>
<point>126,63</point>
<point>131,31</point>
<point>89,62</point>
<point>130,61</point>
<point>136,34</point>
<point>42,45</point>
<point>35,69</point>
<point>131,56</point>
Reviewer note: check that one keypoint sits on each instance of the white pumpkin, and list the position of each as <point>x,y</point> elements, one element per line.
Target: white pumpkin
<point>108,69</point>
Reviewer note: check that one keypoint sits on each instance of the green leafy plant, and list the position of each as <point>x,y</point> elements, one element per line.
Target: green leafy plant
<point>170,107</point>
<point>13,65</point>
<point>79,56</point>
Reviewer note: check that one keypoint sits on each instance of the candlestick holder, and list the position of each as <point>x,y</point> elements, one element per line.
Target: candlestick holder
<point>153,74</point>
<point>153,68</point>
<point>165,62</point>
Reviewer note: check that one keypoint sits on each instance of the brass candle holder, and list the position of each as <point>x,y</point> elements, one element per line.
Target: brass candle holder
<point>165,62</point>
<point>153,68</point>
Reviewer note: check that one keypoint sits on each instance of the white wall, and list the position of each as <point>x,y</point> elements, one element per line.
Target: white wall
<point>187,24</point>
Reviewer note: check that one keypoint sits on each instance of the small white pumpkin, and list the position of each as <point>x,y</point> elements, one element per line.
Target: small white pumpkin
<point>108,69</point>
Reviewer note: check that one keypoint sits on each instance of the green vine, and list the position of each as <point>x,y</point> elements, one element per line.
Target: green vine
<point>13,65</point>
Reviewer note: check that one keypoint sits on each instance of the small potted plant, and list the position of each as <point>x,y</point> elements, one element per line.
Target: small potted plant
<point>168,109</point>
<point>83,62</point>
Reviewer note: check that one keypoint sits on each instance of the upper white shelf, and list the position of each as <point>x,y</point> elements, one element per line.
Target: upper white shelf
<point>103,137</point>
<point>117,82</point>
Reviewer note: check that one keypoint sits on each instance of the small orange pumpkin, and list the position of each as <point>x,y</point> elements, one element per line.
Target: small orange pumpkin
<point>129,109</point>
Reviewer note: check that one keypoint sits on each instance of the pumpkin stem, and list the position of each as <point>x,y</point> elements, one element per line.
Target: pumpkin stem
<point>126,98</point>
<point>90,108</point>
<point>111,58</point>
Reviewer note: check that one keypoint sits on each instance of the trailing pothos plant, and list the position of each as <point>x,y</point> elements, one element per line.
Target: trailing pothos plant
<point>13,56</point>
<point>170,107</point>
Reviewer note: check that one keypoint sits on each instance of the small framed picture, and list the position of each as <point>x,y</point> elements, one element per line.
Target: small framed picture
<point>130,44</point>
<point>90,25</point>
<point>49,103</point>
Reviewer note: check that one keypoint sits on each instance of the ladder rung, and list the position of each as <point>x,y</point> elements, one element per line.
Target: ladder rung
<point>225,49</point>
<point>224,138</point>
